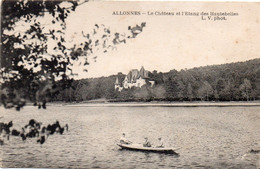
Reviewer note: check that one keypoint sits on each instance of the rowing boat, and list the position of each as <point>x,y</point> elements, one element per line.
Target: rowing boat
<point>140,147</point>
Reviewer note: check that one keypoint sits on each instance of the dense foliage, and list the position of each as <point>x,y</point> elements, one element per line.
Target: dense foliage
<point>35,53</point>
<point>227,82</point>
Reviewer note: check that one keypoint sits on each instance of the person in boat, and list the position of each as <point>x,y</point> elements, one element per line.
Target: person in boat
<point>147,143</point>
<point>160,143</point>
<point>123,140</point>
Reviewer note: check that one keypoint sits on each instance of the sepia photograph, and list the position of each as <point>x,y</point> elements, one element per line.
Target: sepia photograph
<point>129,84</point>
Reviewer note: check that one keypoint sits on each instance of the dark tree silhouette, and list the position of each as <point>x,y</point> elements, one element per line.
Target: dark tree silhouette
<point>37,60</point>
<point>35,56</point>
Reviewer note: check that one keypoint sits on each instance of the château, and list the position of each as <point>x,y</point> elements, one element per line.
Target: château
<point>134,78</point>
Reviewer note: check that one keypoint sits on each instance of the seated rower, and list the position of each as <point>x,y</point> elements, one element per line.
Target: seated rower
<point>160,143</point>
<point>123,140</point>
<point>147,143</point>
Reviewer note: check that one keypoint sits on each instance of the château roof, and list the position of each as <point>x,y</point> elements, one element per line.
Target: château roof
<point>133,75</point>
<point>119,79</point>
<point>143,73</point>
<point>117,82</point>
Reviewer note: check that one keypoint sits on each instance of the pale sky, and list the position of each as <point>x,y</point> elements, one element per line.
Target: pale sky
<point>170,42</point>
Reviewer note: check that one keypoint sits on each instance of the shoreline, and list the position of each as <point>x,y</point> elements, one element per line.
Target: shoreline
<point>158,104</point>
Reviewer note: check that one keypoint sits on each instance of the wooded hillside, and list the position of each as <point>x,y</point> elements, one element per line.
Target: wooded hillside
<point>227,82</point>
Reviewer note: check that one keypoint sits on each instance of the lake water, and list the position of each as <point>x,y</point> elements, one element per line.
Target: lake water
<point>207,137</point>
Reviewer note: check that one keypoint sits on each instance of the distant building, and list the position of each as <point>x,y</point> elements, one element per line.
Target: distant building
<point>134,78</point>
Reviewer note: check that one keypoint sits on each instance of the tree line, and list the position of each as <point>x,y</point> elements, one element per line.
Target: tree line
<point>228,82</point>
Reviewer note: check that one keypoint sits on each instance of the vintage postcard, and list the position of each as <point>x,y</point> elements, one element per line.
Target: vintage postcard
<point>129,84</point>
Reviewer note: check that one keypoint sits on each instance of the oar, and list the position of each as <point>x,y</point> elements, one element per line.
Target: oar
<point>117,141</point>
<point>176,148</point>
